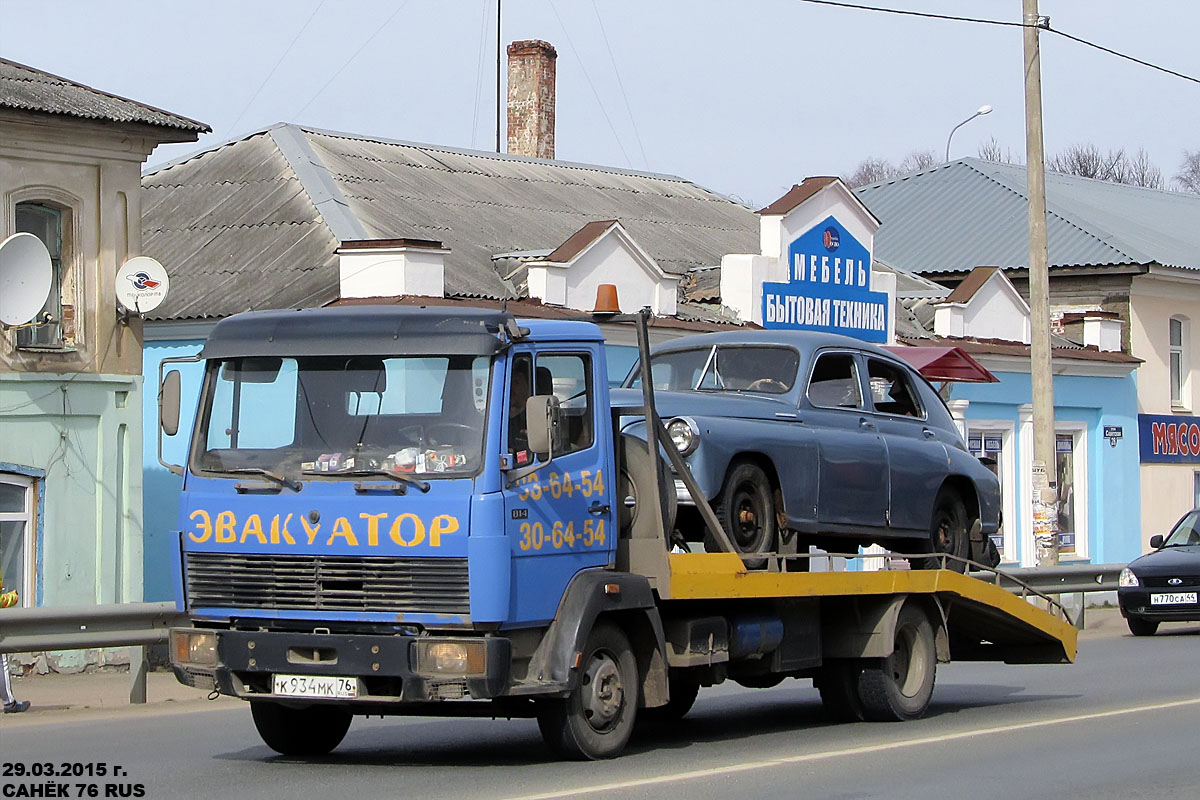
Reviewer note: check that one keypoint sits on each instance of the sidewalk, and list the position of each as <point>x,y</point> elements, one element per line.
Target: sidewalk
<point>101,695</point>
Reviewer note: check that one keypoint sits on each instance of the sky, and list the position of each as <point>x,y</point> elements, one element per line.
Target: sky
<point>745,98</point>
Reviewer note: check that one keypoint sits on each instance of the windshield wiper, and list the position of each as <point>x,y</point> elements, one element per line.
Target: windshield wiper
<point>399,477</point>
<point>282,480</point>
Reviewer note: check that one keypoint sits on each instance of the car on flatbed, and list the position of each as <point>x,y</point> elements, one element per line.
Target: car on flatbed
<point>803,438</point>
<point>1164,585</point>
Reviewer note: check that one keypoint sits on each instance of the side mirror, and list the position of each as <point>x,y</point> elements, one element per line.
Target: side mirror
<point>1156,541</point>
<point>168,403</point>
<point>543,416</point>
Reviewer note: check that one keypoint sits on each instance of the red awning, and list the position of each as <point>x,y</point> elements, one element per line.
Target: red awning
<point>944,364</point>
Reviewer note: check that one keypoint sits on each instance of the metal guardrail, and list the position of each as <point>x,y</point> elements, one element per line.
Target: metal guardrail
<point>1063,579</point>
<point>30,630</point>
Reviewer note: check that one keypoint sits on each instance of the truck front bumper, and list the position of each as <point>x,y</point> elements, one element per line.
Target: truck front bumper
<point>386,669</point>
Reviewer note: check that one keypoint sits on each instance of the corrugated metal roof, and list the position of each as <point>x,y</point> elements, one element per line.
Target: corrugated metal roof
<point>970,213</point>
<point>230,201</point>
<point>28,89</point>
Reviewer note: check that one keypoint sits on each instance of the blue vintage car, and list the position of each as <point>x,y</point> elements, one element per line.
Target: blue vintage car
<point>800,438</point>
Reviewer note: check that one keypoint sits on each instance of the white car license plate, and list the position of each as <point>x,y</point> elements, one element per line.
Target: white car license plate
<point>315,686</point>
<point>1172,598</point>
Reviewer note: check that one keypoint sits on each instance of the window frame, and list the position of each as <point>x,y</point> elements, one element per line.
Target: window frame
<point>1179,384</point>
<point>29,516</point>
<point>853,355</point>
<point>914,395</point>
<point>73,281</point>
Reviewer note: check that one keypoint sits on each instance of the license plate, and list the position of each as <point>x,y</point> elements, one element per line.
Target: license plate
<point>317,686</point>
<point>1173,598</point>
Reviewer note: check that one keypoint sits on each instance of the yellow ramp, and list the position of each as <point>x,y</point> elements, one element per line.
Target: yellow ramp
<point>983,618</point>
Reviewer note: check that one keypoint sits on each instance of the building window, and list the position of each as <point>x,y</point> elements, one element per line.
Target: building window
<point>1071,495</point>
<point>16,532</point>
<point>56,318</point>
<point>1179,362</point>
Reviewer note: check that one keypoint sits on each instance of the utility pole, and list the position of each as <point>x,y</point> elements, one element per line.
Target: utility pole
<point>499,60</point>
<point>1045,517</point>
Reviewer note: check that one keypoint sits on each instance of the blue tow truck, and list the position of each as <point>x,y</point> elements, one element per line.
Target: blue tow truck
<point>435,511</point>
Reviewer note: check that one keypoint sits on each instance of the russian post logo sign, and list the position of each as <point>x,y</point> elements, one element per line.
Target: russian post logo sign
<point>828,287</point>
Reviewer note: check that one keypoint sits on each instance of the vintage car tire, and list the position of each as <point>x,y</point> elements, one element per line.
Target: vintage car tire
<point>1141,627</point>
<point>746,511</point>
<point>596,719</point>
<point>900,686</point>
<point>311,731</point>
<point>948,533</point>
<point>636,473</point>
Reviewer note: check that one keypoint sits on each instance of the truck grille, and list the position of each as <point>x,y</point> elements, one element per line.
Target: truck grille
<point>328,583</point>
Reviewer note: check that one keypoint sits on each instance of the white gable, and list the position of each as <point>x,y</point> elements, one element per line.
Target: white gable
<point>612,257</point>
<point>995,311</point>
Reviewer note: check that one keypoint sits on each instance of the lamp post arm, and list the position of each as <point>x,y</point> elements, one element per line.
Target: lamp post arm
<point>952,130</point>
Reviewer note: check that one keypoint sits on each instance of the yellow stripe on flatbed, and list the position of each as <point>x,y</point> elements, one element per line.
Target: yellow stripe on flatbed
<point>719,576</point>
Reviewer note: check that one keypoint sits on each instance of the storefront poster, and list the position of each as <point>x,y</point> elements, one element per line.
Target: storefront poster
<point>828,287</point>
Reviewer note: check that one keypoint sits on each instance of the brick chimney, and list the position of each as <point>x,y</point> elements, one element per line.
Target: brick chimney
<point>531,98</point>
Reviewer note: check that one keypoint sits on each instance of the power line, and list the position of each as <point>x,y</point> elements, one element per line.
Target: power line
<point>483,26</point>
<point>271,74</point>
<point>621,85</point>
<point>1043,23</point>
<point>353,56</point>
<point>583,69</point>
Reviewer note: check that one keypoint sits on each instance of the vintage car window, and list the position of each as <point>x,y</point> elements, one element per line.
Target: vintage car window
<point>892,389</point>
<point>834,382</point>
<point>725,368</point>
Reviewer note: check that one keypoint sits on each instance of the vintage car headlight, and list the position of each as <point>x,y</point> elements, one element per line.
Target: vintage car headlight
<point>1128,578</point>
<point>685,433</point>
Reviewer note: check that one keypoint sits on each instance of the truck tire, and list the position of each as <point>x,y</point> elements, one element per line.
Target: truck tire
<point>595,720</point>
<point>636,474</point>
<point>1141,627</point>
<point>311,731</point>
<point>746,511</point>
<point>684,687</point>
<point>838,684</point>
<point>900,686</point>
<point>948,534</point>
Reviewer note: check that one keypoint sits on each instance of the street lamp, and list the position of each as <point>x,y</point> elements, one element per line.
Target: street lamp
<point>982,110</point>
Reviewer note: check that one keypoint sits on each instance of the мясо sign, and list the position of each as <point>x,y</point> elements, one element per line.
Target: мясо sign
<point>828,287</point>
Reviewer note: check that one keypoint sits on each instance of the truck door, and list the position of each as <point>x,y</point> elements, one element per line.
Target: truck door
<point>559,520</point>
<point>852,478</point>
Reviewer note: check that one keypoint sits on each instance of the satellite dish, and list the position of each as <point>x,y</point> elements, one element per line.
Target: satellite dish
<point>142,284</point>
<point>25,277</point>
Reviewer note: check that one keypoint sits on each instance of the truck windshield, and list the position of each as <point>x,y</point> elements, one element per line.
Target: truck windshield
<point>341,414</point>
<point>729,368</point>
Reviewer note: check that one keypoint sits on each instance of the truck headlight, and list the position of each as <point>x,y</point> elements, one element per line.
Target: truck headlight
<point>685,434</point>
<point>1128,578</point>
<point>451,657</point>
<point>194,647</point>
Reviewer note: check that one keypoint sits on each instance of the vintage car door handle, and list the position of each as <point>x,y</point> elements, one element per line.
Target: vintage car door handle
<point>865,423</point>
<point>929,434</point>
<point>598,508</point>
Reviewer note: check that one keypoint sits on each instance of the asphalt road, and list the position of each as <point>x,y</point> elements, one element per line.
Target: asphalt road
<point>1119,723</point>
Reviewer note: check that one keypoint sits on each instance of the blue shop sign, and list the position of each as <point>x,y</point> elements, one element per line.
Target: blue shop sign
<point>828,287</point>
<point>1166,439</point>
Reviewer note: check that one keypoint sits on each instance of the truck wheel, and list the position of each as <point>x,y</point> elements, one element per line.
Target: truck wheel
<point>746,512</point>
<point>684,686</point>
<point>596,719</point>
<point>311,731</point>
<point>1141,627</point>
<point>900,686</point>
<point>838,684</point>
<point>636,474</point>
<point>948,534</point>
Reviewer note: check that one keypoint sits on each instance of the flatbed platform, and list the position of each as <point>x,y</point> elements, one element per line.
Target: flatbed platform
<point>984,621</point>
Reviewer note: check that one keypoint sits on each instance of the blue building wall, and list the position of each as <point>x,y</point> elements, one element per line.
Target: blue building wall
<point>1113,480</point>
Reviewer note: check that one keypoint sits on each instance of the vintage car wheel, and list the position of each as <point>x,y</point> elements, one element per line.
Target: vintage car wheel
<point>1141,627</point>
<point>745,511</point>
<point>948,534</point>
<point>311,731</point>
